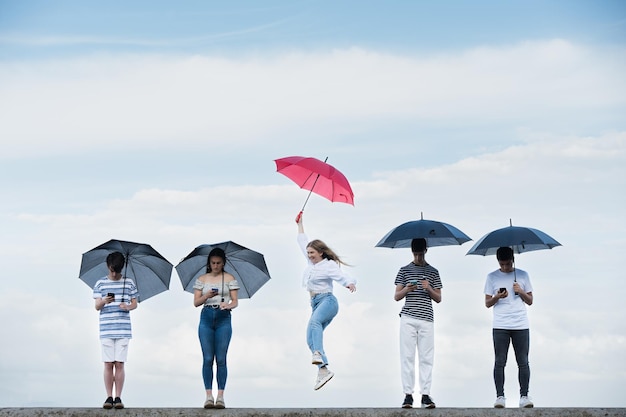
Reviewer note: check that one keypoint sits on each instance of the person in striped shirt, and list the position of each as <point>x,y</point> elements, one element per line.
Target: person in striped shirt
<point>115,297</point>
<point>419,284</point>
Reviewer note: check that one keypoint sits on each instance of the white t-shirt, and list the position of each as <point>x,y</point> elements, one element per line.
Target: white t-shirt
<point>319,277</point>
<point>509,313</point>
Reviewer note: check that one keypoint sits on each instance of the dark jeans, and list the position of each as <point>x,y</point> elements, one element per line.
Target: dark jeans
<point>521,343</point>
<point>214,332</point>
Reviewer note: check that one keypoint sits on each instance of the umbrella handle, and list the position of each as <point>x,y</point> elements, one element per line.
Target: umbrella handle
<point>299,216</point>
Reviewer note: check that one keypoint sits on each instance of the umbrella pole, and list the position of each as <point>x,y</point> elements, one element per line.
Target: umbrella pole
<point>124,277</point>
<point>311,191</point>
<point>514,273</point>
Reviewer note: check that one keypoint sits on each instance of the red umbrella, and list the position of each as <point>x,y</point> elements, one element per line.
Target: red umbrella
<point>316,176</point>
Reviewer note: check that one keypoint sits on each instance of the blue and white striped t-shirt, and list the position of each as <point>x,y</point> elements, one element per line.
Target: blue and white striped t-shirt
<point>115,322</point>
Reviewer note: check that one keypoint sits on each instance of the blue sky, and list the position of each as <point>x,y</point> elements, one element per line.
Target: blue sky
<point>159,122</point>
<point>73,26</point>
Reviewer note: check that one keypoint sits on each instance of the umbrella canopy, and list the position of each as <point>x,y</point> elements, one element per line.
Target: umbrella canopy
<point>149,270</point>
<point>247,266</point>
<point>436,234</point>
<point>318,177</point>
<point>520,239</point>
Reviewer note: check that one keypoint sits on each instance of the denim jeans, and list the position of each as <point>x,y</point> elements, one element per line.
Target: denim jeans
<point>520,339</point>
<point>214,333</point>
<point>325,308</point>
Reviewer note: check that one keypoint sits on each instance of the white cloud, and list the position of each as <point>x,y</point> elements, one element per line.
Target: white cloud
<point>102,101</point>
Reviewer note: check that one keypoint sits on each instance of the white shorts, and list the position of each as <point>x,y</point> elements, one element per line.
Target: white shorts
<point>114,350</point>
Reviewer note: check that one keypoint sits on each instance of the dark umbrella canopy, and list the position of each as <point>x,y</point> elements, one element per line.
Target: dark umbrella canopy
<point>247,266</point>
<point>520,239</point>
<point>150,271</point>
<point>436,234</point>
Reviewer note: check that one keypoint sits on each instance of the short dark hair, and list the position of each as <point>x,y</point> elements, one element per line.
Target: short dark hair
<point>418,245</point>
<point>504,253</point>
<point>115,261</point>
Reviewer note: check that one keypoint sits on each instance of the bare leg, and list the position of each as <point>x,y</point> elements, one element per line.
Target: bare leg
<point>120,376</point>
<point>108,378</point>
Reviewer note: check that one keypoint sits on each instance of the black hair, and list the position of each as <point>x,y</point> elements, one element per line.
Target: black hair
<point>418,245</point>
<point>219,252</point>
<point>504,253</point>
<point>115,261</point>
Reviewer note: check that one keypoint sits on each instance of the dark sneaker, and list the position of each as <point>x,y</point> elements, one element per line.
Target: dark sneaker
<point>117,403</point>
<point>408,401</point>
<point>108,403</point>
<point>427,402</point>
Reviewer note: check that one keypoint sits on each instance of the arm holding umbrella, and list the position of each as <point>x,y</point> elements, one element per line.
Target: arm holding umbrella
<point>129,306</point>
<point>527,297</point>
<point>336,274</point>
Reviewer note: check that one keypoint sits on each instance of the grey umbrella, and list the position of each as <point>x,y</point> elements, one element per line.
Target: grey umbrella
<point>150,271</point>
<point>247,266</point>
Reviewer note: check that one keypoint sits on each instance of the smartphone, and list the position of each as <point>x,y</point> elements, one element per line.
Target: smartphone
<point>413,282</point>
<point>110,295</point>
<point>502,289</point>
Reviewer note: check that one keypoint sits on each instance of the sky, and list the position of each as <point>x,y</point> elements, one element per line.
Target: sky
<point>159,122</point>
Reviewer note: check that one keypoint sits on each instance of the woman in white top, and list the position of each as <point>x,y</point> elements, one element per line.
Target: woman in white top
<point>323,268</point>
<point>216,291</point>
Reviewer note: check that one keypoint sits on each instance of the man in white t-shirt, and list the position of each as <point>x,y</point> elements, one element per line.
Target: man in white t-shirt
<point>508,290</point>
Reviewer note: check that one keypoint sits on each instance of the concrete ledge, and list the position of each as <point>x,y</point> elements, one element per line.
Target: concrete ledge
<point>313,412</point>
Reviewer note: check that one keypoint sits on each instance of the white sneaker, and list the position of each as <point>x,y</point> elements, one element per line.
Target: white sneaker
<point>524,402</point>
<point>323,376</point>
<point>317,358</point>
<point>500,402</point>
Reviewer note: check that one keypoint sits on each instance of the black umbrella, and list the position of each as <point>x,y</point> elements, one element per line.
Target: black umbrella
<point>436,234</point>
<point>149,270</point>
<point>520,239</point>
<point>247,266</point>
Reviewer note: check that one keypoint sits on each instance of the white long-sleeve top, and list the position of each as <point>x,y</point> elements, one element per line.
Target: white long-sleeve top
<point>319,277</point>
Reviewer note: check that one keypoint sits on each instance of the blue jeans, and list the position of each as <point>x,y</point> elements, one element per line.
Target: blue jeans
<point>502,338</point>
<point>214,333</point>
<point>325,308</point>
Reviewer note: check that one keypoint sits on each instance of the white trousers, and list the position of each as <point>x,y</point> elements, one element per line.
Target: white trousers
<point>421,334</point>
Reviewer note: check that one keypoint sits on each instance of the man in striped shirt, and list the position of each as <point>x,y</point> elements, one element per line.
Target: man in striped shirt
<point>418,283</point>
<point>115,297</point>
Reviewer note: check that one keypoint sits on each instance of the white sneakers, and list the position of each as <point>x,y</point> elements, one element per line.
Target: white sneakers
<point>524,402</point>
<point>323,376</point>
<point>500,402</point>
<point>317,358</point>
